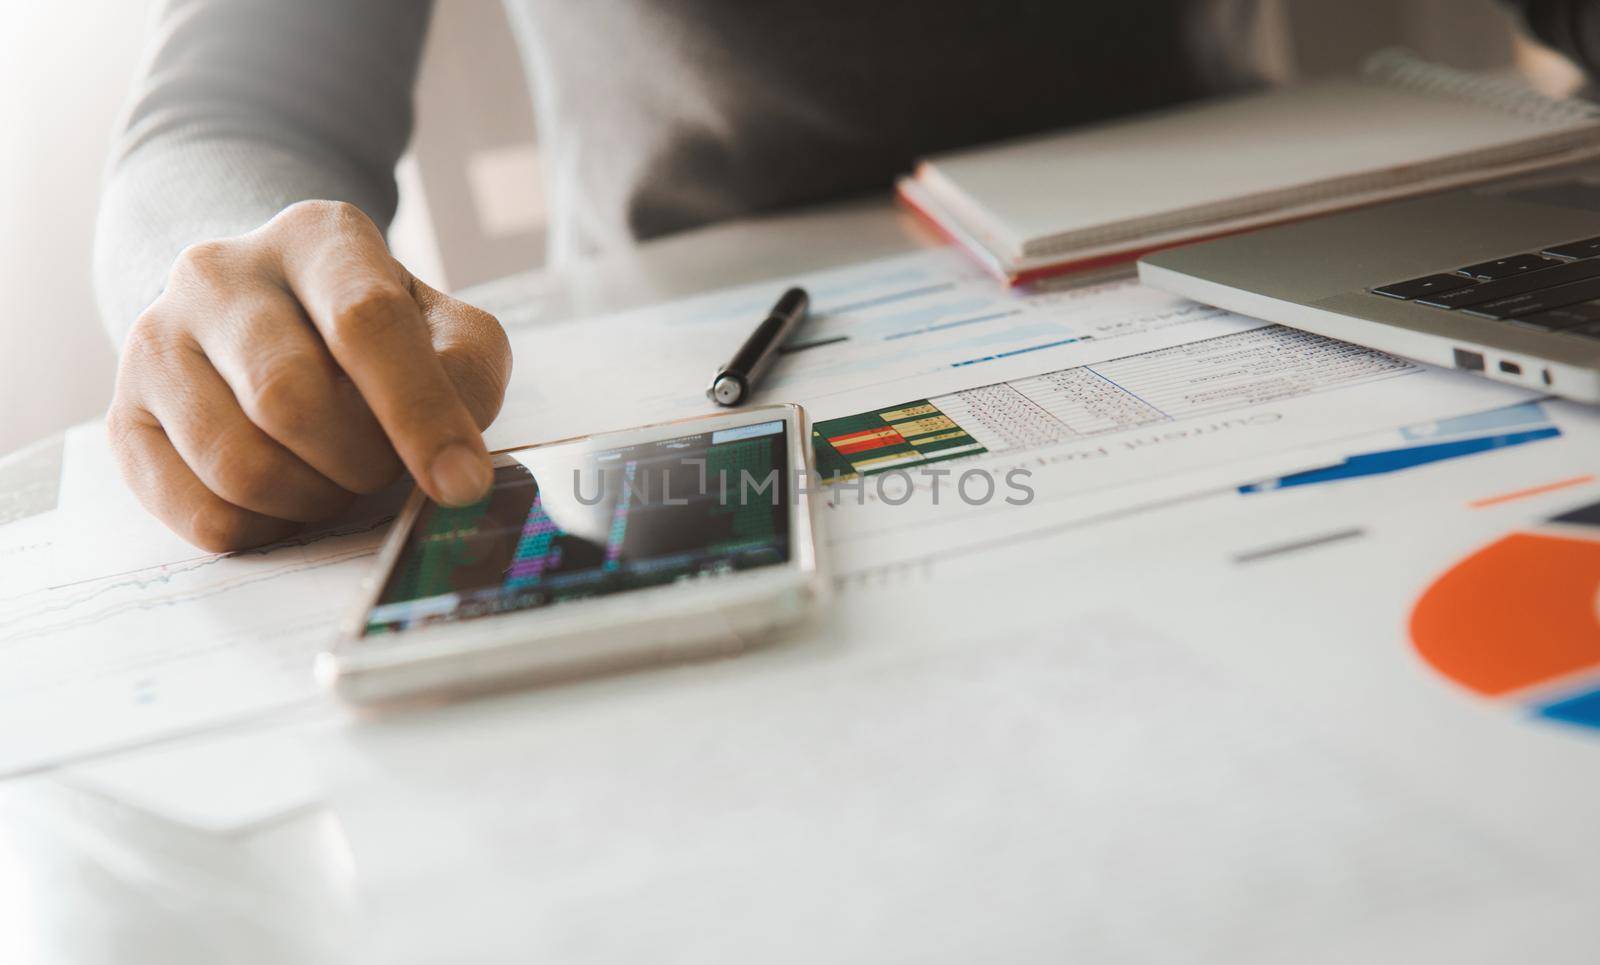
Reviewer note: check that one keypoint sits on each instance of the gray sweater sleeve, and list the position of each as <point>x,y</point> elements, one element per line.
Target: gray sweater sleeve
<point>242,108</point>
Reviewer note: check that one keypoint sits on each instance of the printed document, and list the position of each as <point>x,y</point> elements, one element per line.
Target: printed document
<point>1111,396</point>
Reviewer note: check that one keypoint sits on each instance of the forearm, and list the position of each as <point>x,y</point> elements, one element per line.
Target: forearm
<point>248,106</point>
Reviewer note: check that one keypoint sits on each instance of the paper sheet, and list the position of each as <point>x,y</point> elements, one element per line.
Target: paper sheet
<point>911,325</point>
<point>28,557</point>
<point>1134,431</point>
<point>140,637</point>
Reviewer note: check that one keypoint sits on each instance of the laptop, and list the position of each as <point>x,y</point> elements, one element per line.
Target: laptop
<point>1501,279</point>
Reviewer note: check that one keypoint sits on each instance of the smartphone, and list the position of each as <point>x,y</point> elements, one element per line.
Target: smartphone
<point>667,542</point>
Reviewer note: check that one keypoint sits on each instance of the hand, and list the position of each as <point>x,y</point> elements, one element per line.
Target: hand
<point>284,371</point>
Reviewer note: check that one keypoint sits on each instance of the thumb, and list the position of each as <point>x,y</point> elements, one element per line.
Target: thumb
<point>472,347</point>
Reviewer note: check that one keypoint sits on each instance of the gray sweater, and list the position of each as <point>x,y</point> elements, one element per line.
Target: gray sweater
<point>653,115</point>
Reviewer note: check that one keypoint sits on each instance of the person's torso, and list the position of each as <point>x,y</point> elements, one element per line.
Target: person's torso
<point>660,115</point>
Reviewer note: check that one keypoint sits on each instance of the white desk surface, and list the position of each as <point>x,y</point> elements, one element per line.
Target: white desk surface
<point>85,878</point>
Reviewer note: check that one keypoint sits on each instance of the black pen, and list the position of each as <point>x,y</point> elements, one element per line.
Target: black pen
<point>736,380</point>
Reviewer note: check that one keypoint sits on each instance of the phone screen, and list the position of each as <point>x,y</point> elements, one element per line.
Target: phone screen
<point>570,522</point>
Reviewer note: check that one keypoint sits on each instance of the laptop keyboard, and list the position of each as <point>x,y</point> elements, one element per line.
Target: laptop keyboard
<point>1553,290</point>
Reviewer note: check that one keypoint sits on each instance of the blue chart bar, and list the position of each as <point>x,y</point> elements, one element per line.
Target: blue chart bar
<point>1393,460</point>
<point>888,299</point>
<point>1523,415</point>
<point>948,325</point>
<point>1019,351</point>
<point>1583,709</point>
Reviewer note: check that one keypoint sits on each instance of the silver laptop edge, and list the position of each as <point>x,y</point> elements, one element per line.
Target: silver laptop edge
<point>1316,275</point>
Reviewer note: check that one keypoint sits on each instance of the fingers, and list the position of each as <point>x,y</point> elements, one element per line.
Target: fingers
<point>287,384</point>
<point>167,487</point>
<point>282,371</point>
<point>360,301</point>
<point>233,457</point>
<point>472,348</point>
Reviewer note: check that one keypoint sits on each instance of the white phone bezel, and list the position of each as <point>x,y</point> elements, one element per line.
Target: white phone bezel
<point>582,635</point>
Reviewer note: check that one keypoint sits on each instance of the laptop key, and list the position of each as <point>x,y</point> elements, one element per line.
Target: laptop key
<point>1507,267</point>
<point>1426,285</point>
<point>1543,300</point>
<point>1562,319</point>
<point>1587,248</point>
<point>1489,291</point>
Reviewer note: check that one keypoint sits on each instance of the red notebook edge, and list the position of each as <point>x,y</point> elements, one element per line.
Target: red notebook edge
<point>925,210</point>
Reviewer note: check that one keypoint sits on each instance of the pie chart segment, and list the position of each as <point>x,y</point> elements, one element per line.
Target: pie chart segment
<point>1516,613</point>
<point>1521,613</point>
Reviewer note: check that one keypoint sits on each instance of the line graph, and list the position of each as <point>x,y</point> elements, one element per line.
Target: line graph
<point>55,599</point>
<point>160,601</point>
<point>149,653</point>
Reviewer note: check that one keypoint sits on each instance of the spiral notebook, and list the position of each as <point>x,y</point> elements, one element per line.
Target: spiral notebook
<point>1098,195</point>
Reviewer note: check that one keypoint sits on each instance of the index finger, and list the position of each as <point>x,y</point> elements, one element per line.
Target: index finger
<point>360,300</point>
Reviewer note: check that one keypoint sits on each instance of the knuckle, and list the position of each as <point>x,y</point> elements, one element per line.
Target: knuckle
<point>205,262</point>
<point>140,339</point>
<point>120,423</point>
<point>474,357</point>
<point>151,342</point>
<point>376,475</point>
<point>369,462</point>
<point>122,430</point>
<point>148,330</point>
<point>482,348</point>
<point>371,315</point>
<point>311,211</point>
<point>322,214</point>
<point>479,377</point>
<point>218,528</point>
<point>240,468</point>
<point>499,344</point>
<point>280,394</point>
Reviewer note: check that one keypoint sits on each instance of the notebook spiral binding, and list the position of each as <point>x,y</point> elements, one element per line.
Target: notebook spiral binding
<point>1399,67</point>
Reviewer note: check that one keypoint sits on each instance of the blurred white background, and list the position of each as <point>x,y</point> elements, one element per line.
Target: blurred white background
<point>470,201</point>
<point>62,77</point>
